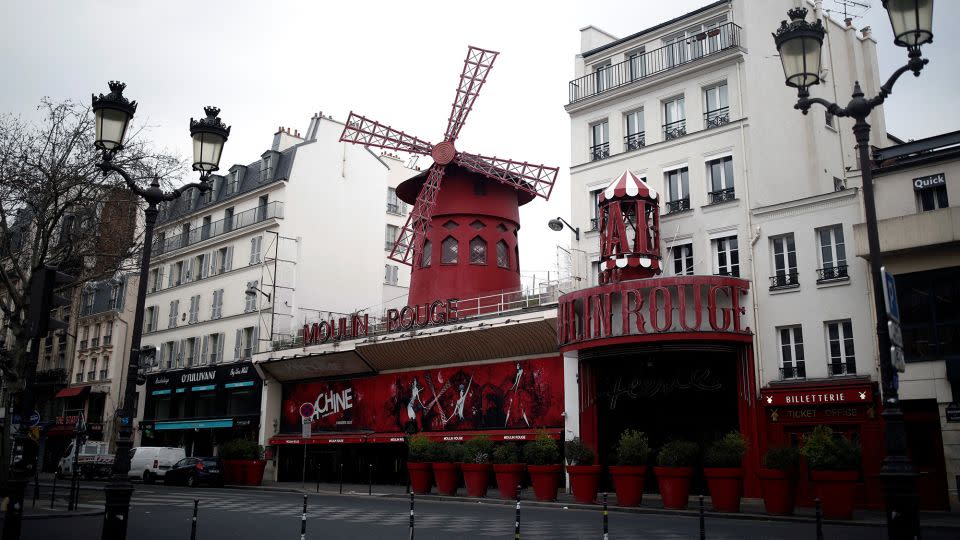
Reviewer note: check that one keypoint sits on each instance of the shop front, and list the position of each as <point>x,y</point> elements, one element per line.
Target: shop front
<point>200,408</point>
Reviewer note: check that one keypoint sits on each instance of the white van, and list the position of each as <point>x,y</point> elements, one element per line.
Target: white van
<point>151,462</point>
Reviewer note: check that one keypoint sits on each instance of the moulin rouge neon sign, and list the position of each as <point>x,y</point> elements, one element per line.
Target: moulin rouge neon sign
<point>357,325</point>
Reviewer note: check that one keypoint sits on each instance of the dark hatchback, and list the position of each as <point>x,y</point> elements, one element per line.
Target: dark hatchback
<point>193,471</point>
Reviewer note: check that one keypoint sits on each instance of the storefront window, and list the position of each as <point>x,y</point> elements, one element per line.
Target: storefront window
<point>241,402</point>
<point>204,405</point>
<point>928,313</point>
<point>161,409</point>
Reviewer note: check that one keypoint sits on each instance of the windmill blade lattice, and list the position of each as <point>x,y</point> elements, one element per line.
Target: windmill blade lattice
<point>362,130</point>
<point>475,69</point>
<point>537,180</point>
<point>414,232</point>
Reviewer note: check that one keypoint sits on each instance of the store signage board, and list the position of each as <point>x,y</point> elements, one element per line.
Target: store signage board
<point>890,295</point>
<point>927,182</point>
<point>820,396</point>
<point>953,412</point>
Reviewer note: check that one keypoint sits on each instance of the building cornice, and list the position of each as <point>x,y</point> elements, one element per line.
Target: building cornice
<point>798,206</point>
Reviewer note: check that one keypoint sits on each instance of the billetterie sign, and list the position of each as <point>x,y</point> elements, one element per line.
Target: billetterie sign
<point>358,325</point>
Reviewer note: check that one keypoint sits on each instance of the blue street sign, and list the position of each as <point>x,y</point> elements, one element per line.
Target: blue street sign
<point>890,295</point>
<point>35,419</point>
<point>125,420</point>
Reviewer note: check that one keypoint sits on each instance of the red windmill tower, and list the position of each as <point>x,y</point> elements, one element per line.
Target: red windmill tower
<point>461,236</point>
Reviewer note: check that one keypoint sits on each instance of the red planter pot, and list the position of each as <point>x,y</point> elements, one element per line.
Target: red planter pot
<point>508,478</point>
<point>628,483</point>
<point>674,485</point>
<point>447,477</point>
<point>545,480</point>
<point>247,472</point>
<point>421,477</point>
<point>779,491</point>
<point>584,481</point>
<point>726,487</point>
<point>477,477</point>
<point>836,490</point>
<point>231,471</point>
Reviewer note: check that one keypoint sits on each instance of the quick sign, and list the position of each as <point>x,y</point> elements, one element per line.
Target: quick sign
<point>927,182</point>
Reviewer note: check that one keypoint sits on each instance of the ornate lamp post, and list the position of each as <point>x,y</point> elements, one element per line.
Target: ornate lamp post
<point>113,113</point>
<point>799,43</point>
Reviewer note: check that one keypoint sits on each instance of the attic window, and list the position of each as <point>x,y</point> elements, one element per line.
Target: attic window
<point>266,168</point>
<point>450,225</point>
<point>501,228</point>
<point>233,182</point>
<point>477,224</point>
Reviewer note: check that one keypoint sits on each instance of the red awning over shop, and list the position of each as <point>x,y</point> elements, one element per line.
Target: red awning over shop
<point>441,436</point>
<point>73,391</point>
<point>60,431</point>
<point>350,438</point>
<point>387,437</point>
<point>492,434</point>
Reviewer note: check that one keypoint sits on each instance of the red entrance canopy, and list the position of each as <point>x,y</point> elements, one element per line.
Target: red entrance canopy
<point>72,391</point>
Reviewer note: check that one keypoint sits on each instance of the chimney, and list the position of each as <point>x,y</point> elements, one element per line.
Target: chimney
<point>314,125</point>
<point>865,31</point>
<point>849,22</point>
<point>285,138</point>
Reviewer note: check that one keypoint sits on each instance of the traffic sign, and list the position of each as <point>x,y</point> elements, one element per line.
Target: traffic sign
<point>890,294</point>
<point>896,337</point>
<point>896,358</point>
<point>35,419</point>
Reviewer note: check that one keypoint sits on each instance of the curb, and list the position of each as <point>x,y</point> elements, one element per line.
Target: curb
<point>64,515</point>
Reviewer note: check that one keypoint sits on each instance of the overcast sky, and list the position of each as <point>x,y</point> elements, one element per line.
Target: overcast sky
<point>273,63</point>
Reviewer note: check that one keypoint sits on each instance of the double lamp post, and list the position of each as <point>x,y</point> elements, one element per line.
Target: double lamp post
<point>799,43</point>
<point>113,113</point>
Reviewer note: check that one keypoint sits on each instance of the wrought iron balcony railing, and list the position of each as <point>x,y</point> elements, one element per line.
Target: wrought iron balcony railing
<point>716,118</point>
<point>678,205</point>
<point>784,281</point>
<point>594,223</point>
<point>94,343</point>
<point>660,60</point>
<point>635,141</point>
<point>722,195</point>
<point>217,228</point>
<point>832,273</point>
<point>675,130</point>
<point>839,369</point>
<point>599,151</point>
<point>393,208</point>
<point>798,371</point>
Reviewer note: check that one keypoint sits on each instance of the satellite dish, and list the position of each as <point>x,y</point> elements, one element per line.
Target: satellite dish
<point>555,224</point>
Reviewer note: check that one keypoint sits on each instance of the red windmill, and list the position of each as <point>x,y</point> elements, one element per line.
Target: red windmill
<point>470,210</point>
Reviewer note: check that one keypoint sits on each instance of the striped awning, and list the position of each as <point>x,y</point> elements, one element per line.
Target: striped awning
<point>628,185</point>
<point>630,261</point>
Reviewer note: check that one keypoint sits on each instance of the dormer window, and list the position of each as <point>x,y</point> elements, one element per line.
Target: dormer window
<point>266,168</point>
<point>233,182</point>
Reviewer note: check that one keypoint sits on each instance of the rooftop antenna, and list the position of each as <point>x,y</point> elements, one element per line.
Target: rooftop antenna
<point>846,6</point>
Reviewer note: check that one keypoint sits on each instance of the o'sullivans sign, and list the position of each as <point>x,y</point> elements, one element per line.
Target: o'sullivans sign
<point>654,308</point>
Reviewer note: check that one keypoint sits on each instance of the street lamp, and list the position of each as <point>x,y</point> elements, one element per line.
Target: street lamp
<point>113,113</point>
<point>799,43</point>
<point>558,223</point>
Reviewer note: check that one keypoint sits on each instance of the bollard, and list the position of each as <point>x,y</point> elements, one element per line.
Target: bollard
<point>516,523</point>
<point>606,530</point>
<point>341,478</point>
<point>703,532</point>
<point>53,493</point>
<point>411,515</point>
<point>318,478</point>
<point>303,520</point>
<point>370,479</point>
<point>193,524</point>
<point>816,502</point>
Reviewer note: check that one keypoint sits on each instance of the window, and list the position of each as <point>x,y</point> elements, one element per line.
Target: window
<point>390,237</point>
<point>933,197</point>
<point>478,251</point>
<point>393,202</point>
<point>92,374</point>
<point>449,250</point>
<point>205,227</point>
<point>246,343</point>
<point>426,258</point>
<point>107,333</point>
<point>185,233</point>
<point>600,141</point>
<point>603,76</point>
<point>682,259</point>
<point>390,274</point>
<point>88,302</point>
<point>784,262</point>
<point>213,344</point>
<point>255,243</point>
<point>675,49</point>
<point>636,136</point>
<point>250,300</point>
<point>114,296</point>
<point>174,308</point>
<point>216,307</point>
<point>176,274</point>
<point>81,365</point>
<point>503,255</point>
<point>262,203</point>
<point>233,182</point>
<point>595,209</point>
<point>726,256</point>
<point>199,267</point>
<point>678,190</point>
<point>155,279</point>
<point>228,219</point>
<point>636,64</point>
<point>194,308</point>
<point>190,352</point>
<point>266,168</point>
<point>828,119</point>
<point>833,255</point>
<point>791,352</point>
<point>715,101</point>
<point>675,116</point>
<point>720,176</point>
<point>95,340</point>
<point>840,348</point>
<point>928,313</point>
<point>105,368</point>
<point>150,318</point>
<point>223,260</point>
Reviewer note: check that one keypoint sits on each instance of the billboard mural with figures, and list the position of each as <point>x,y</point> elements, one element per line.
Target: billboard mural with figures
<point>520,394</point>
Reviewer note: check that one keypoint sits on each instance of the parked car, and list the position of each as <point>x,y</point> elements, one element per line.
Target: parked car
<point>193,471</point>
<point>94,460</point>
<point>149,463</point>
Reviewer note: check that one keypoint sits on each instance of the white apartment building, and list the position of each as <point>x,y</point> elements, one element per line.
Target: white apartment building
<point>396,276</point>
<point>697,107</point>
<point>249,262</point>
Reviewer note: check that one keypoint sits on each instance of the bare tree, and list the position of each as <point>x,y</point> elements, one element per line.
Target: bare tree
<point>57,208</point>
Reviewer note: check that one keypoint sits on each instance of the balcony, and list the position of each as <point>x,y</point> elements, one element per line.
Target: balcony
<point>594,224</point>
<point>106,340</point>
<point>635,141</point>
<point>103,374</point>
<point>840,369</point>
<point>674,130</point>
<point>51,377</point>
<point>722,195</point>
<point>94,343</point>
<point>91,375</point>
<point>600,151</point>
<point>83,344</point>
<point>79,377</point>
<point>678,205</point>
<point>789,372</point>
<point>394,208</point>
<point>832,273</point>
<point>219,228</point>
<point>716,118</point>
<point>784,281</point>
<point>655,62</point>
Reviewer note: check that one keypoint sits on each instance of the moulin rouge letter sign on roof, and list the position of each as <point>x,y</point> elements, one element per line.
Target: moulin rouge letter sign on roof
<point>405,318</point>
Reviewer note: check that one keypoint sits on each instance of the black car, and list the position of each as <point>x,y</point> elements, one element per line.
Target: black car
<point>193,471</point>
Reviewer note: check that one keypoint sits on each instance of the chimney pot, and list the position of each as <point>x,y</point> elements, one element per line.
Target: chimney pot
<point>848,21</point>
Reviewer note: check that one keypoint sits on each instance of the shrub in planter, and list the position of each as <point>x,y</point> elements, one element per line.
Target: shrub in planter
<point>835,467</point>
<point>446,467</point>
<point>477,454</point>
<point>584,475</point>
<point>421,451</point>
<point>632,453</point>
<point>674,470</point>
<point>243,462</point>
<point>778,478</point>
<point>723,469</point>
<point>543,458</point>
<point>508,469</point>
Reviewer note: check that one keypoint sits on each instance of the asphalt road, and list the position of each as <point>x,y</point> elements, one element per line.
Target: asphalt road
<point>164,512</point>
